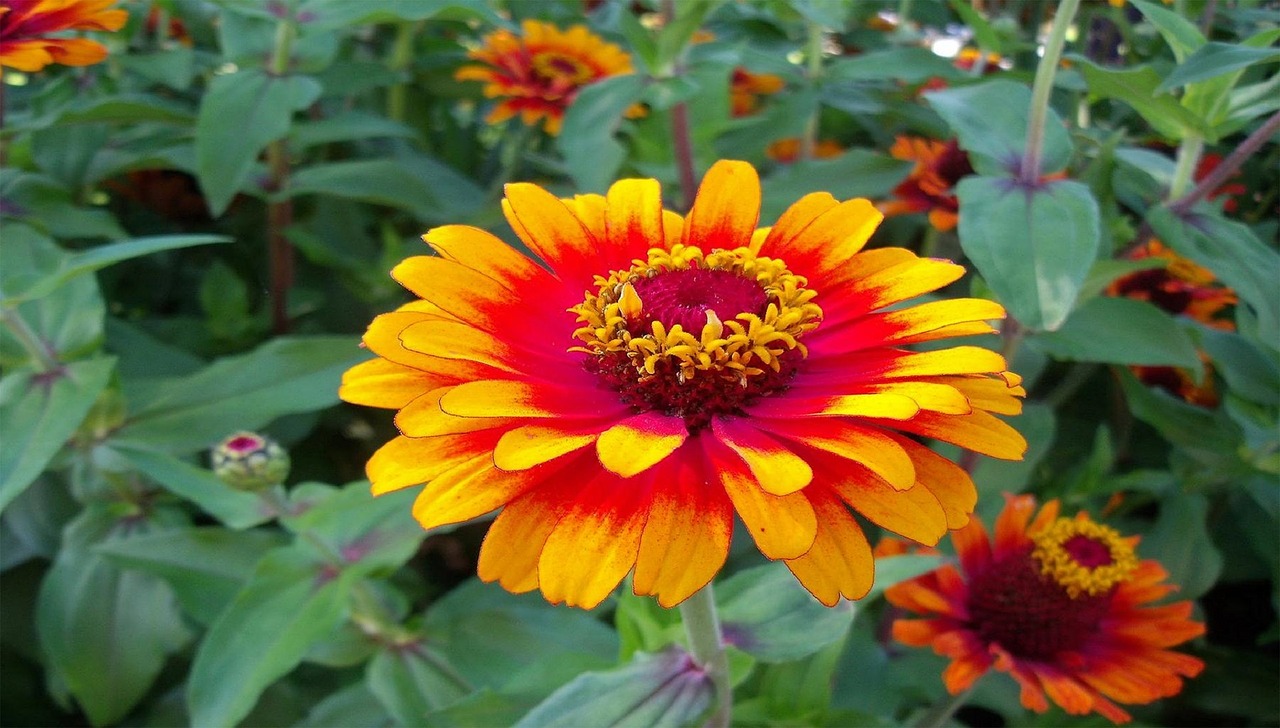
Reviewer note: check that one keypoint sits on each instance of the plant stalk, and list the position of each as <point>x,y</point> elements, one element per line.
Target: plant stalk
<point>814,71</point>
<point>401,59</point>
<point>681,142</point>
<point>1042,89</point>
<point>706,644</point>
<point>41,355</point>
<point>942,711</point>
<point>1228,166</point>
<point>1188,158</point>
<point>280,209</point>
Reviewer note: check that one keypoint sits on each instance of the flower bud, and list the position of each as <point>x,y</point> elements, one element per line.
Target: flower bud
<point>249,461</point>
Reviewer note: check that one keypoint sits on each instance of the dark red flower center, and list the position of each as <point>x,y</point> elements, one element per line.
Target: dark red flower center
<point>684,296</point>
<point>1027,613</point>
<point>244,443</point>
<point>1088,552</point>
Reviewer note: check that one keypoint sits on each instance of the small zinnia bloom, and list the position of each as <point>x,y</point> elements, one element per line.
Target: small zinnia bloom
<point>788,150</point>
<point>709,368</point>
<point>539,73</point>
<point>26,27</point>
<point>1061,604</point>
<point>931,185</point>
<point>746,88</point>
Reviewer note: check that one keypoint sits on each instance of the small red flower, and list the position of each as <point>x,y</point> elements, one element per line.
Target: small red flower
<point>1061,604</point>
<point>26,27</point>
<point>931,185</point>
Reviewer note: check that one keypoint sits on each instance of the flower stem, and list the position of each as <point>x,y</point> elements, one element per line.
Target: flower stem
<point>41,355</point>
<point>814,72</point>
<point>1188,157</point>
<point>1228,166</point>
<point>1042,89</point>
<point>702,627</point>
<point>942,711</point>
<point>401,59</point>
<point>280,210</point>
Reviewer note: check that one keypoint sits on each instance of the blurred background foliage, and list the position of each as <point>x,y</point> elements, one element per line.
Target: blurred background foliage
<point>196,231</point>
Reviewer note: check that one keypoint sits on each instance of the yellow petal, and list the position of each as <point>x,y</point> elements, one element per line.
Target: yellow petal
<point>638,443</point>
<point>776,468</point>
<point>840,563</point>
<point>686,537</point>
<point>524,447</point>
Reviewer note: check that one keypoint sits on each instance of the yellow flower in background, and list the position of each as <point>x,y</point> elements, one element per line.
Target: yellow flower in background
<point>26,28</point>
<point>539,73</point>
<point>746,88</point>
<point>1060,604</point>
<point>710,368</point>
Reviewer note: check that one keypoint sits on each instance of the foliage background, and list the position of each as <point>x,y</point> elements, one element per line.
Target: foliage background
<point>149,205</point>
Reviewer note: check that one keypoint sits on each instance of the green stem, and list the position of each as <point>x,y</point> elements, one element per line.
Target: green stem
<point>942,711</point>
<point>929,246</point>
<point>41,354</point>
<point>1228,166</point>
<point>280,211</point>
<point>904,13</point>
<point>1188,157</point>
<point>1043,88</point>
<point>814,72</point>
<point>706,644</point>
<point>401,59</point>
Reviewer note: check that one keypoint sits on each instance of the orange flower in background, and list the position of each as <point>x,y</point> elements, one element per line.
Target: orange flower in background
<point>539,73</point>
<point>746,88</point>
<point>788,150</point>
<point>1061,604</point>
<point>931,185</point>
<point>1182,288</point>
<point>710,368</point>
<point>26,27</point>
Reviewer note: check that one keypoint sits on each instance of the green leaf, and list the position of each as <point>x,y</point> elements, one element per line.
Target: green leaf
<point>1033,247</point>
<point>909,65</point>
<point>39,413</point>
<point>1107,271</point>
<point>1122,331</point>
<point>106,631</point>
<point>412,680</point>
<point>674,37</point>
<point>127,108</point>
<point>1180,542</point>
<point>237,509</point>
<point>1249,371</point>
<point>353,705</point>
<point>894,570</point>
<point>240,115</point>
<point>1233,253</point>
<point>1181,34</point>
<point>855,173</point>
<point>378,181</point>
<point>1137,88</point>
<point>96,258</point>
<point>1208,434</point>
<point>284,376</point>
<point>330,15</point>
<point>205,566</point>
<point>991,121</point>
<point>983,32</point>
<point>289,603</point>
<point>372,534</point>
<point>591,154</point>
<point>1215,59</point>
<point>348,126</point>
<point>767,614</point>
<point>667,689</point>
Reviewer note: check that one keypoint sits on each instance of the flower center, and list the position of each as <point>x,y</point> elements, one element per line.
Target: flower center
<point>695,335</point>
<point>557,69</point>
<point>1083,557</point>
<point>244,443</point>
<point>1031,616</point>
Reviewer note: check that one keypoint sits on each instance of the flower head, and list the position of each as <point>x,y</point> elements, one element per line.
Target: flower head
<point>658,373</point>
<point>26,27</point>
<point>746,88</point>
<point>539,73</point>
<point>1061,604</point>
<point>249,461</point>
<point>931,185</point>
<point>788,150</point>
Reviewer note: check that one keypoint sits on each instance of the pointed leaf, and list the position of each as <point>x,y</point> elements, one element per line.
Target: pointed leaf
<point>767,614</point>
<point>991,121</point>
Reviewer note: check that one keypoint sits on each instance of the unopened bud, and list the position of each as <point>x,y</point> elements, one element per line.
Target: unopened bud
<point>249,461</point>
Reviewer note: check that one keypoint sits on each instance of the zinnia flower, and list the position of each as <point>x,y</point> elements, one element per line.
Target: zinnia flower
<point>26,26</point>
<point>931,185</point>
<point>709,368</point>
<point>746,88</point>
<point>539,73</point>
<point>788,150</point>
<point>1182,288</point>
<point>1061,604</point>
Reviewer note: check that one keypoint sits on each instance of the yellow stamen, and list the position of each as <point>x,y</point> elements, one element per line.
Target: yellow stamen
<point>1059,564</point>
<point>629,302</point>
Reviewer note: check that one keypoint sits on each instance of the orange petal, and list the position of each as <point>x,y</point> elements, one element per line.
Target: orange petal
<point>899,282</point>
<point>839,564</point>
<point>423,418</point>
<point>473,488</point>
<point>887,406</point>
<point>987,393</point>
<point>524,447</point>
<point>552,231</point>
<point>595,544</point>
<point>503,398</point>
<point>794,221</point>
<point>879,452</point>
<point>484,252</point>
<point>686,538</point>
<point>948,482</point>
<point>590,211</point>
<point>464,293</point>
<point>383,383</point>
<point>977,431</point>
<point>834,237</point>
<point>928,395</point>
<point>776,468</point>
<point>913,513</point>
<point>638,443</point>
<point>633,217</point>
<point>784,527</point>
<point>1011,524</point>
<point>905,325</point>
<point>407,461</point>
<point>726,209</point>
<point>513,545</point>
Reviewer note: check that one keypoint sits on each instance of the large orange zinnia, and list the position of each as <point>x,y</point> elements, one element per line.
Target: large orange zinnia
<point>540,72</point>
<point>1060,604</point>
<point>25,26</point>
<point>658,373</point>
